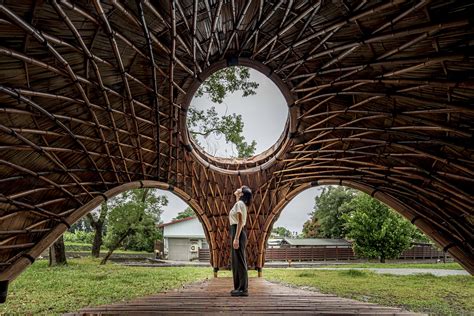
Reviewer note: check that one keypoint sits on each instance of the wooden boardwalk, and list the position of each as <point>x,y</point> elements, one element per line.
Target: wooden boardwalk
<point>213,297</point>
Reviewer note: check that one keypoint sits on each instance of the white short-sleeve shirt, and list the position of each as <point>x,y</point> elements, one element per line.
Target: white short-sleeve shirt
<point>239,207</point>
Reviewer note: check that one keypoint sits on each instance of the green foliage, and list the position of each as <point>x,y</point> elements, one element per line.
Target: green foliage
<point>79,237</point>
<point>81,225</point>
<point>311,228</point>
<point>77,246</point>
<point>281,232</point>
<point>231,126</point>
<point>227,80</point>
<point>188,212</point>
<point>84,250</point>
<point>132,219</point>
<point>328,210</point>
<point>206,123</point>
<point>419,236</point>
<point>144,239</point>
<point>377,231</point>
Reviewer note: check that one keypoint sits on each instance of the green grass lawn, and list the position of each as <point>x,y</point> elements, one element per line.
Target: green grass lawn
<point>449,295</point>
<point>52,291</point>
<point>84,247</point>
<point>449,266</point>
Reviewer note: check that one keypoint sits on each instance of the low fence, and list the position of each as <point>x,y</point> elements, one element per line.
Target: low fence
<point>423,252</point>
<point>323,253</point>
<point>314,253</point>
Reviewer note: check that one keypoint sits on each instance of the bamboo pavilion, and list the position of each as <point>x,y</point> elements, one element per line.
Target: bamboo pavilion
<point>94,96</point>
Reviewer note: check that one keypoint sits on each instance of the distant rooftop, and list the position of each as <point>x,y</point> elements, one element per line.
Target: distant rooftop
<point>316,242</point>
<point>176,221</point>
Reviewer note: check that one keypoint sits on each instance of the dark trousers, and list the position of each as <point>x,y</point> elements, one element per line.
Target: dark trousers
<point>239,260</point>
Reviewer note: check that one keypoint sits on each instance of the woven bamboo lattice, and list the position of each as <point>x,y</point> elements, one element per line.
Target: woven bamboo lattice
<point>93,100</point>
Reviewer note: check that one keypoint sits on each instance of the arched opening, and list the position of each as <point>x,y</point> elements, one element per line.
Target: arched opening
<point>22,263</point>
<point>296,212</point>
<point>166,228</point>
<point>442,242</point>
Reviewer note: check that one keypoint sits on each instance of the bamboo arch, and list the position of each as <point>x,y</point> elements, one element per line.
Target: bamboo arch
<point>405,210</point>
<point>53,235</point>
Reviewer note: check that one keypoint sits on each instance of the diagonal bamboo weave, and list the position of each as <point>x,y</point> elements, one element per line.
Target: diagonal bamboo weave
<point>93,100</point>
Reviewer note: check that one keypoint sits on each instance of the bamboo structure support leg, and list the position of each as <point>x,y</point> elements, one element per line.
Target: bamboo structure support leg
<point>3,291</point>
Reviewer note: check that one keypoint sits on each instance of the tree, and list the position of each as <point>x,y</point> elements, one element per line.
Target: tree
<point>227,80</point>
<point>376,230</point>
<point>57,253</point>
<point>188,212</point>
<point>419,236</point>
<point>311,228</point>
<point>81,225</point>
<point>98,225</point>
<point>281,232</point>
<point>328,210</point>
<point>206,123</point>
<point>135,213</point>
<point>144,239</point>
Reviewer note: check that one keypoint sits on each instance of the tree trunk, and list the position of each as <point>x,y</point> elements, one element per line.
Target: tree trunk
<point>117,244</point>
<point>382,259</point>
<point>97,243</point>
<point>98,227</point>
<point>57,253</point>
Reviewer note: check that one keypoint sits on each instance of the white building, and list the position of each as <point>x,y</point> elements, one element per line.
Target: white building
<point>274,242</point>
<point>183,238</point>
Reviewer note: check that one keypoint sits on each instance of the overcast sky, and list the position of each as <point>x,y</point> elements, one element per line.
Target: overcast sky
<point>264,116</point>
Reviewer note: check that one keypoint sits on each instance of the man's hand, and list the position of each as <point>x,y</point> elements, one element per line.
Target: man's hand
<point>236,244</point>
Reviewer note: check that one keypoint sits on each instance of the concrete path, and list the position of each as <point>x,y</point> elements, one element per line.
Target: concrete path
<point>404,271</point>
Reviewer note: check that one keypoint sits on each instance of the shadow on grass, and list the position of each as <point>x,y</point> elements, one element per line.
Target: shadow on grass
<point>353,273</point>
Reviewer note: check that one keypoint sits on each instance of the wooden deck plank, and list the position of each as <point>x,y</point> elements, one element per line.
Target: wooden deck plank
<point>212,297</point>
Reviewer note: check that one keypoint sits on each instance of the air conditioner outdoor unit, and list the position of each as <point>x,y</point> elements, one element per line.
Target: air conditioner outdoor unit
<point>194,248</point>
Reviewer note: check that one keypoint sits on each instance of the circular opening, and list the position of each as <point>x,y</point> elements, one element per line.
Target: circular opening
<point>237,112</point>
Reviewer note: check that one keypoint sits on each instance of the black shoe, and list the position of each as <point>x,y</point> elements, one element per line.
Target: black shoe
<point>239,293</point>
<point>234,292</point>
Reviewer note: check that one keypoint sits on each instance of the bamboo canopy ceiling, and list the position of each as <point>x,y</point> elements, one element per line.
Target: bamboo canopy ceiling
<point>94,94</point>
